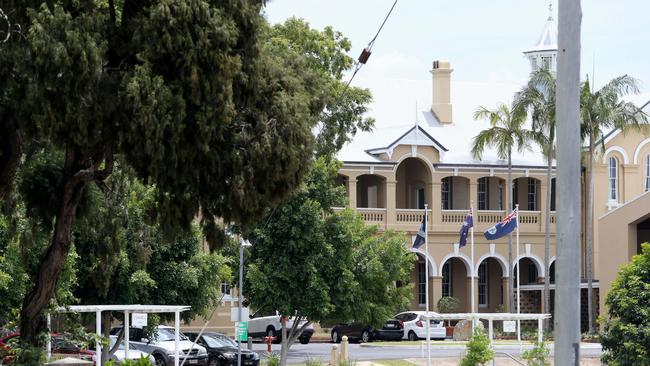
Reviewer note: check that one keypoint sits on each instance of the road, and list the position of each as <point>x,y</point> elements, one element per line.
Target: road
<point>375,351</point>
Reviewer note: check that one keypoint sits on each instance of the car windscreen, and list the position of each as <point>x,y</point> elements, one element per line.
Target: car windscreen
<point>167,334</point>
<point>215,341</point>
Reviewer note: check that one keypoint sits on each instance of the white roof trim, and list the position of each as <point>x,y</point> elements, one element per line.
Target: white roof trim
<point>131,308</point>
<point>626,159</point>
<point>638,149</point>
<point>415,136</point>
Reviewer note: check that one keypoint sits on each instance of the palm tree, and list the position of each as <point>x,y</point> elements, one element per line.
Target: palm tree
<point>506,133</point>
<point>538,98</point>
<point>602,111</point>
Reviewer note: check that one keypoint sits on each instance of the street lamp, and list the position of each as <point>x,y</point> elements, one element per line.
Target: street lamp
<point>242,243</point>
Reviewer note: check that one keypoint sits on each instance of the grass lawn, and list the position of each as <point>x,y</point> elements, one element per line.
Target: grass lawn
<point>394,362</point>
<point>440,343</point>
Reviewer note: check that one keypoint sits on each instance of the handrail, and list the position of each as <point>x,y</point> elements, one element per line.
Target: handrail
<point>507,355</point>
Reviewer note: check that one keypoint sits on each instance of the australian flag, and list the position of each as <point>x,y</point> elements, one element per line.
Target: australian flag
<point>505,227</point>
<point>469,223</point>
<point>419,239</point>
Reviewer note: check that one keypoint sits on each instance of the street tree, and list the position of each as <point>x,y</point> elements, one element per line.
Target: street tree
<point>188,94</point>
<point>600,112</point>
<point>316,265</point>
<point>626,338</point>
<point>506,132</point>
<point>538,99</point>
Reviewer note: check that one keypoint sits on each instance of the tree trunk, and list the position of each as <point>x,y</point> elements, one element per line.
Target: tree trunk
<point>589,232</point>
<point>10,151</point>
<point>78,171</point>
<point>547,237</point>
<point>510,200</point>
<point>284,349</point>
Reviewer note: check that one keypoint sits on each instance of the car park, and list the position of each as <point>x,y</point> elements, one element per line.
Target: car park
<point>415,326</point>
<point>162,346</point>
<point>222,350</point>
<point>391,330</point>
<point>134,354</point>
<point>263,324</point>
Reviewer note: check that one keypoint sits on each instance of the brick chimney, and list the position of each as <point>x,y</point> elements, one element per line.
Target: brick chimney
<point>441,81</point>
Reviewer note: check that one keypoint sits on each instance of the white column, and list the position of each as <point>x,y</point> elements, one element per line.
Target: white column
<point>49,337</point>
<point>177,324</point>
<point>98,329</point>
<point>540,336</point>
<point>127,330</point>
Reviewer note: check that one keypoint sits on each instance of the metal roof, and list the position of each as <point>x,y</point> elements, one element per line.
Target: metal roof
<point>486,316</point>
<point>548,39</point>
<point>137,308</point>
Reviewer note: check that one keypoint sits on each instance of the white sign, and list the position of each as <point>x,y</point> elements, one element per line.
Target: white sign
<point>139,320</point>
<point>234,314</point>
<point>509,326</point>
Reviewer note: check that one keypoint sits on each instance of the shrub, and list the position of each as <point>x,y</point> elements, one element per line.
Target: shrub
<point>626,338</point>
<point>271,359</point>
<point>314,362</point>
<point>538,355</point>
<point>142,361</point>
<point>478,349</point>
<point>448,304</point>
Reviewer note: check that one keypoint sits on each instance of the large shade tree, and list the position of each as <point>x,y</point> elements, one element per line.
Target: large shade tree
<point>600,112</point>
<point>538,99</point>
<point>507,132</point>
<point>185,93</point>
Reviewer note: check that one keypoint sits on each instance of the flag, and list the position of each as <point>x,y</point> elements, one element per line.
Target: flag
<point>506,226</point>
<point>419,239</point>
<point>469,223</point>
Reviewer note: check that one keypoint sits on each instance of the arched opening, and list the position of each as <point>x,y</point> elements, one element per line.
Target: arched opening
<point>526,193</point>
<point>490,193</point>
<point>551,272</point>
<point>531,299</point>
<point>371,191</point>
<point>454,193</point>
<point>342,181</point>
<point>455,282</point>
<point>413,178</point>
<point>418,278</point>
<point>529,272</point>
<point>490,285</point>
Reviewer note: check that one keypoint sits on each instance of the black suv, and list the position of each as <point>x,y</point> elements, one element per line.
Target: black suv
<point>359,332</point>
<point>222,350</point>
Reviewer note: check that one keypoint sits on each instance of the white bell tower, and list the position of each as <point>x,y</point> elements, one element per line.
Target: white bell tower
<point>544,54</point>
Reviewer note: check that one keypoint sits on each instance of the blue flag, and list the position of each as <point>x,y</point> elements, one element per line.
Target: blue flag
<point>505,227</point>
<point>469,223</point>
<point>419,239</point>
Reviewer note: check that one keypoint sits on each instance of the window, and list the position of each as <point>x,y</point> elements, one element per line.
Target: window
<point>532,194</point>
<point>446,280</point>
<point>500,203</point>
<point>547,62</point>
<point>613,179</point>
<point>446,190</point>
<point>515,193</point>
<point>483,284</point>
<point>225,288</point>
<point>553,194</point>
<point>483,193</point>
<point>372,196</point>
<point>419,194</point>
<point>647,173</point>
<point>532,273</point>
<point>422,284</point>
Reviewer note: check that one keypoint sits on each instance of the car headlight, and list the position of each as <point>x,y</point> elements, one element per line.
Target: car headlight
<point>256,356</point>
<point>229,355</point>
<point>203,352</point>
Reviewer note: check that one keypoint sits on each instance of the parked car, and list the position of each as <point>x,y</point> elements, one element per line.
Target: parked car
<point>161,347</point>
<point>268,324</point>
<point>415,326</point>
<point>134,353</point>
<point>391,330</point>
<point>222,350</point>
<point>61,346</point>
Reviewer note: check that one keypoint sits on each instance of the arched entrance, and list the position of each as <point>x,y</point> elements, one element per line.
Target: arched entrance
<point>490,274</point>
<point>456,281</point>
<point>413,179</point>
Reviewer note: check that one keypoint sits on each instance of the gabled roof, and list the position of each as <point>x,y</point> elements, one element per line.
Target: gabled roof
<point>414,136</point>
<point>548,39</point>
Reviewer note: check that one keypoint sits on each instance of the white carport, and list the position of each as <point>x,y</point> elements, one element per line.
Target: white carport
<point>127,310</point>
<point>491,317</point>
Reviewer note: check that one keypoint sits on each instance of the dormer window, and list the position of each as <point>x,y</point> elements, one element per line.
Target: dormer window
<point>547,61</point>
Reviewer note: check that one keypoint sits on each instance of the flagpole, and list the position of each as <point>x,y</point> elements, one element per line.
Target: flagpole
<point>518,277</point>
<point>426,281</point>
<point>471,211</point>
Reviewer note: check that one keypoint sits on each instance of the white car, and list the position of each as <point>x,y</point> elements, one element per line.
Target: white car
<point>134,354</point>
<point>268,325</point>
<point>415,326</point>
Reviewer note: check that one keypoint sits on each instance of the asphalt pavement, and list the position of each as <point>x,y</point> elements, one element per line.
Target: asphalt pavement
<point>376,351</point>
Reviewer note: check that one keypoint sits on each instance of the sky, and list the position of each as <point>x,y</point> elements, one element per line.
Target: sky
<point>482,39</point>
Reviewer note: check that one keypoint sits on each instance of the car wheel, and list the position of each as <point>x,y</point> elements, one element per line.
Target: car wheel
<point>304,340</point>
<point>160,361</point>
<point>413,336</point>
<point>335,336</point>
<point>365,337</point>
<point>213,362</point>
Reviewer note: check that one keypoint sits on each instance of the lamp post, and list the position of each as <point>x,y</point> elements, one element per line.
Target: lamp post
<point>242,243</point>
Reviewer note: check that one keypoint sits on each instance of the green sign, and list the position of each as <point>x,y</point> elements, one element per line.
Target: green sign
<point>241,329</point>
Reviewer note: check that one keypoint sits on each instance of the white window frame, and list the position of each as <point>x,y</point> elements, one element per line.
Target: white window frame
<point>612,179</point>
<point>483,192</point>
<point>445,192</point>
<point>532,195</point>
<point>483,289</point>
<point>647,173</point>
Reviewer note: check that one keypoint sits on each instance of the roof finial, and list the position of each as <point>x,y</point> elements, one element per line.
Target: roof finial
<point>550,10</point>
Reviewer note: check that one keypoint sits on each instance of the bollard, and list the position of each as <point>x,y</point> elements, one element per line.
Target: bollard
<point>344,349</point>
<point>334,357</point>
<point>250,343</point>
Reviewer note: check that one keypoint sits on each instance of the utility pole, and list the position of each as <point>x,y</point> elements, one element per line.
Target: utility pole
<point>567,293</point>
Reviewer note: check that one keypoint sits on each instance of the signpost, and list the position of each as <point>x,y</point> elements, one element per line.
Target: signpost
<point>241,331</point>
<point>139,320</point>
<point>509,326</point>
